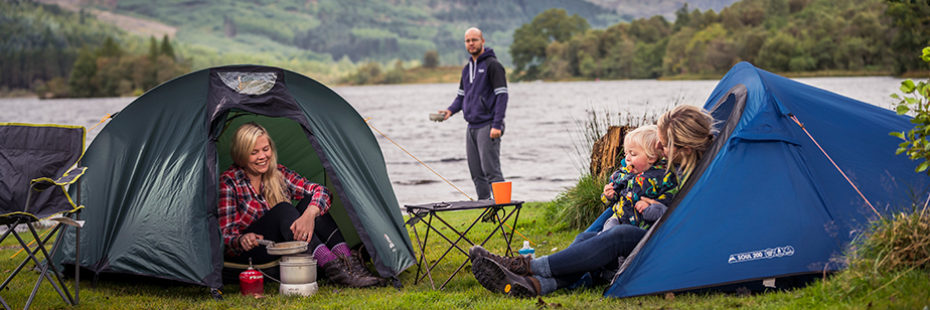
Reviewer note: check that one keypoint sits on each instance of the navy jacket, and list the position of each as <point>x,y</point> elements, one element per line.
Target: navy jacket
<point>482,94</point>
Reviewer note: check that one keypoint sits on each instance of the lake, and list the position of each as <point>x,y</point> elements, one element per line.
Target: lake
<point>541,150</point>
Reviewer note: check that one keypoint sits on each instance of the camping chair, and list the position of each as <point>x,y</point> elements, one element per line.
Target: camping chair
<point>37,162</point>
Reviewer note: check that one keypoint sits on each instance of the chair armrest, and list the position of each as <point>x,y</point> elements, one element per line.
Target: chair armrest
<point>69,177</point>
<point>68,221</point>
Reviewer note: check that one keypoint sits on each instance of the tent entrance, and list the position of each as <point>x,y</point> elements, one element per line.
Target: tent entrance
<point>730,108</point>
<point>294,151</point>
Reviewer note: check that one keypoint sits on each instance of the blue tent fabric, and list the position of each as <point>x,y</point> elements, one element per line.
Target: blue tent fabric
<point>768,203</point>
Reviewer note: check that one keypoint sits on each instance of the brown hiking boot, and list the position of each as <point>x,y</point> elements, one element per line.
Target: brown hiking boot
<point>498,279</point>
<point>519,265</point>
<point>357,266</point>
<point>337,270</point>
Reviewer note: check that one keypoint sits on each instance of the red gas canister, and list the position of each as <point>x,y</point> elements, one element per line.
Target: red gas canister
<point>251,282</point>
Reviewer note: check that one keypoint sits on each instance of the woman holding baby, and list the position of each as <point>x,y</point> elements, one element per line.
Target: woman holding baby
<point>683,134</point>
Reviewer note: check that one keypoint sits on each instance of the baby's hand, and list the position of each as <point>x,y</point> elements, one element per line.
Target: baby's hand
<point>641,205</point>
<point>609,191</point>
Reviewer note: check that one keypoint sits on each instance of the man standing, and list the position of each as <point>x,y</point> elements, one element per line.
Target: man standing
<point>482,98</point>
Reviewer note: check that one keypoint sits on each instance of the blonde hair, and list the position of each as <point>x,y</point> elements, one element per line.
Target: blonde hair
<point>646,137</point>
<point>272,180</point>
<point>686,127</point>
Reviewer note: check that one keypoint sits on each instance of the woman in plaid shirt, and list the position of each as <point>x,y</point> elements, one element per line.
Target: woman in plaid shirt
<point>255,196</point>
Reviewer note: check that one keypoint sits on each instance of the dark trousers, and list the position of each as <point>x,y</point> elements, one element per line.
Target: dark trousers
<point>275,225</point>
<point>484,159</point>
<point>600,252</point>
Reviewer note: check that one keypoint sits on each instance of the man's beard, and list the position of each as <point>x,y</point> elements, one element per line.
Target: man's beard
<point>477,51</point>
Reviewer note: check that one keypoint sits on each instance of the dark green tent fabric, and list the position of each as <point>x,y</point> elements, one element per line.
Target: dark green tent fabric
<point>150,190</point>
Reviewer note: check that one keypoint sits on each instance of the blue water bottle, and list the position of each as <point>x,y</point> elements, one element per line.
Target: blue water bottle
<point>527,250</point>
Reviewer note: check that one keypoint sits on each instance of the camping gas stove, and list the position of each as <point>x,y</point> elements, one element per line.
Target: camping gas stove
<point>298,269</point>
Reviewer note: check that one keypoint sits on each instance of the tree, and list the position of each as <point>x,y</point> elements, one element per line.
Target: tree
<point>682,18</point>
<point>528,51</point>
<point>557,65</point>
<point>588,53</point>
<point>696,58</point>
<point>153,48</point>
<point>911,22</point>
<point>673,62</point>
<point>650,30</point>
<point>108,76</point>
<point>229,27</point>
<point>530,40</point>
<point>166,48</point>
<point>82,75</point>
<point>431,59</point>
<point>109,49</point>
<point>917,100</point>
<point>777,51</point>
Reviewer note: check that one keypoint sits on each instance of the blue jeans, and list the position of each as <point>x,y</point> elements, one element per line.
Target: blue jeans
<point>590,252</point>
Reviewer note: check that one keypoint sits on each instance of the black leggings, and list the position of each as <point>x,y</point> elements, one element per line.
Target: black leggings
<point>275,225</point>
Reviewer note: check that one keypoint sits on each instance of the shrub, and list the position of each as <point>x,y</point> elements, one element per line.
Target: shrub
<point>431,59</point>
<point>395,75</point>
<point>893,248</point>
<point>578,206</point>
<point>367,73</point>
<point>916,100</point>
<point>898,243</point>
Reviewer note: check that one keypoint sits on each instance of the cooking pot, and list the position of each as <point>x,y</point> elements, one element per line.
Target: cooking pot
<point>298,269</point>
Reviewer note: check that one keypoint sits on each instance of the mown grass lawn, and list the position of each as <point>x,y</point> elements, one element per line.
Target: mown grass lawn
<point>906,290</point>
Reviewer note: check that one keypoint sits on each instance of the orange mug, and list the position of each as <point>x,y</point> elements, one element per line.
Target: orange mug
<point>501,192</point>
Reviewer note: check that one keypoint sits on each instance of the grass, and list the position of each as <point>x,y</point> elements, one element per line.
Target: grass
<point>909,288</point>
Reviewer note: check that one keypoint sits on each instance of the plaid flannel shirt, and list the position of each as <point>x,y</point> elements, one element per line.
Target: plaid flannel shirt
<point>240,204</point>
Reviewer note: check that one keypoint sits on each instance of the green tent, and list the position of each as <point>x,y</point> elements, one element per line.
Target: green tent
<point>150,190</point>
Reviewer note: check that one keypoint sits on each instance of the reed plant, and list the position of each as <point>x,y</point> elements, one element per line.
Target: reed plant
<point>894,247</point>
<point>897,243</point>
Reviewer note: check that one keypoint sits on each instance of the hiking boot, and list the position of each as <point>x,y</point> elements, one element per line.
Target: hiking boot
<point>519,265</point>
<point>357,266</point>
<point>498,279</point>
<point>337,270</point>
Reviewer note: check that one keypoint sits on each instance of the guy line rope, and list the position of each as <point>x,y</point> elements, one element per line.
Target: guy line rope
<point>795,119</point>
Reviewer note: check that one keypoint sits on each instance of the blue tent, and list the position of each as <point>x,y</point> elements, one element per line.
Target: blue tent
<point>766,205</point>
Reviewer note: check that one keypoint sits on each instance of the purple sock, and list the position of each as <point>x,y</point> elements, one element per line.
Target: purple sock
<point>323,255</point>
<point>342,249</point>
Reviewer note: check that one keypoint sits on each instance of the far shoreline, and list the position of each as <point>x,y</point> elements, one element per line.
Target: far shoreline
<point>450,74</point>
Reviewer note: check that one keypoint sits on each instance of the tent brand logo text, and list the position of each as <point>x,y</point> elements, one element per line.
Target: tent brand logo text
<point>390,244</point>
<point>761,254</point>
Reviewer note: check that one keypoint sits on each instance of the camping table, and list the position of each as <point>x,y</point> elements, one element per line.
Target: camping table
<point>426,212</point>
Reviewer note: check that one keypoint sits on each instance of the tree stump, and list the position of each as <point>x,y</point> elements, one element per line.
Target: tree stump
<point>608,150</point>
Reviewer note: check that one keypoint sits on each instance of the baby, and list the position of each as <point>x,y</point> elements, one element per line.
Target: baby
<point>642,174</point>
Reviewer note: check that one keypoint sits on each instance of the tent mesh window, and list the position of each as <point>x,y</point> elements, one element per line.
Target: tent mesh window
<point>249,83</point>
